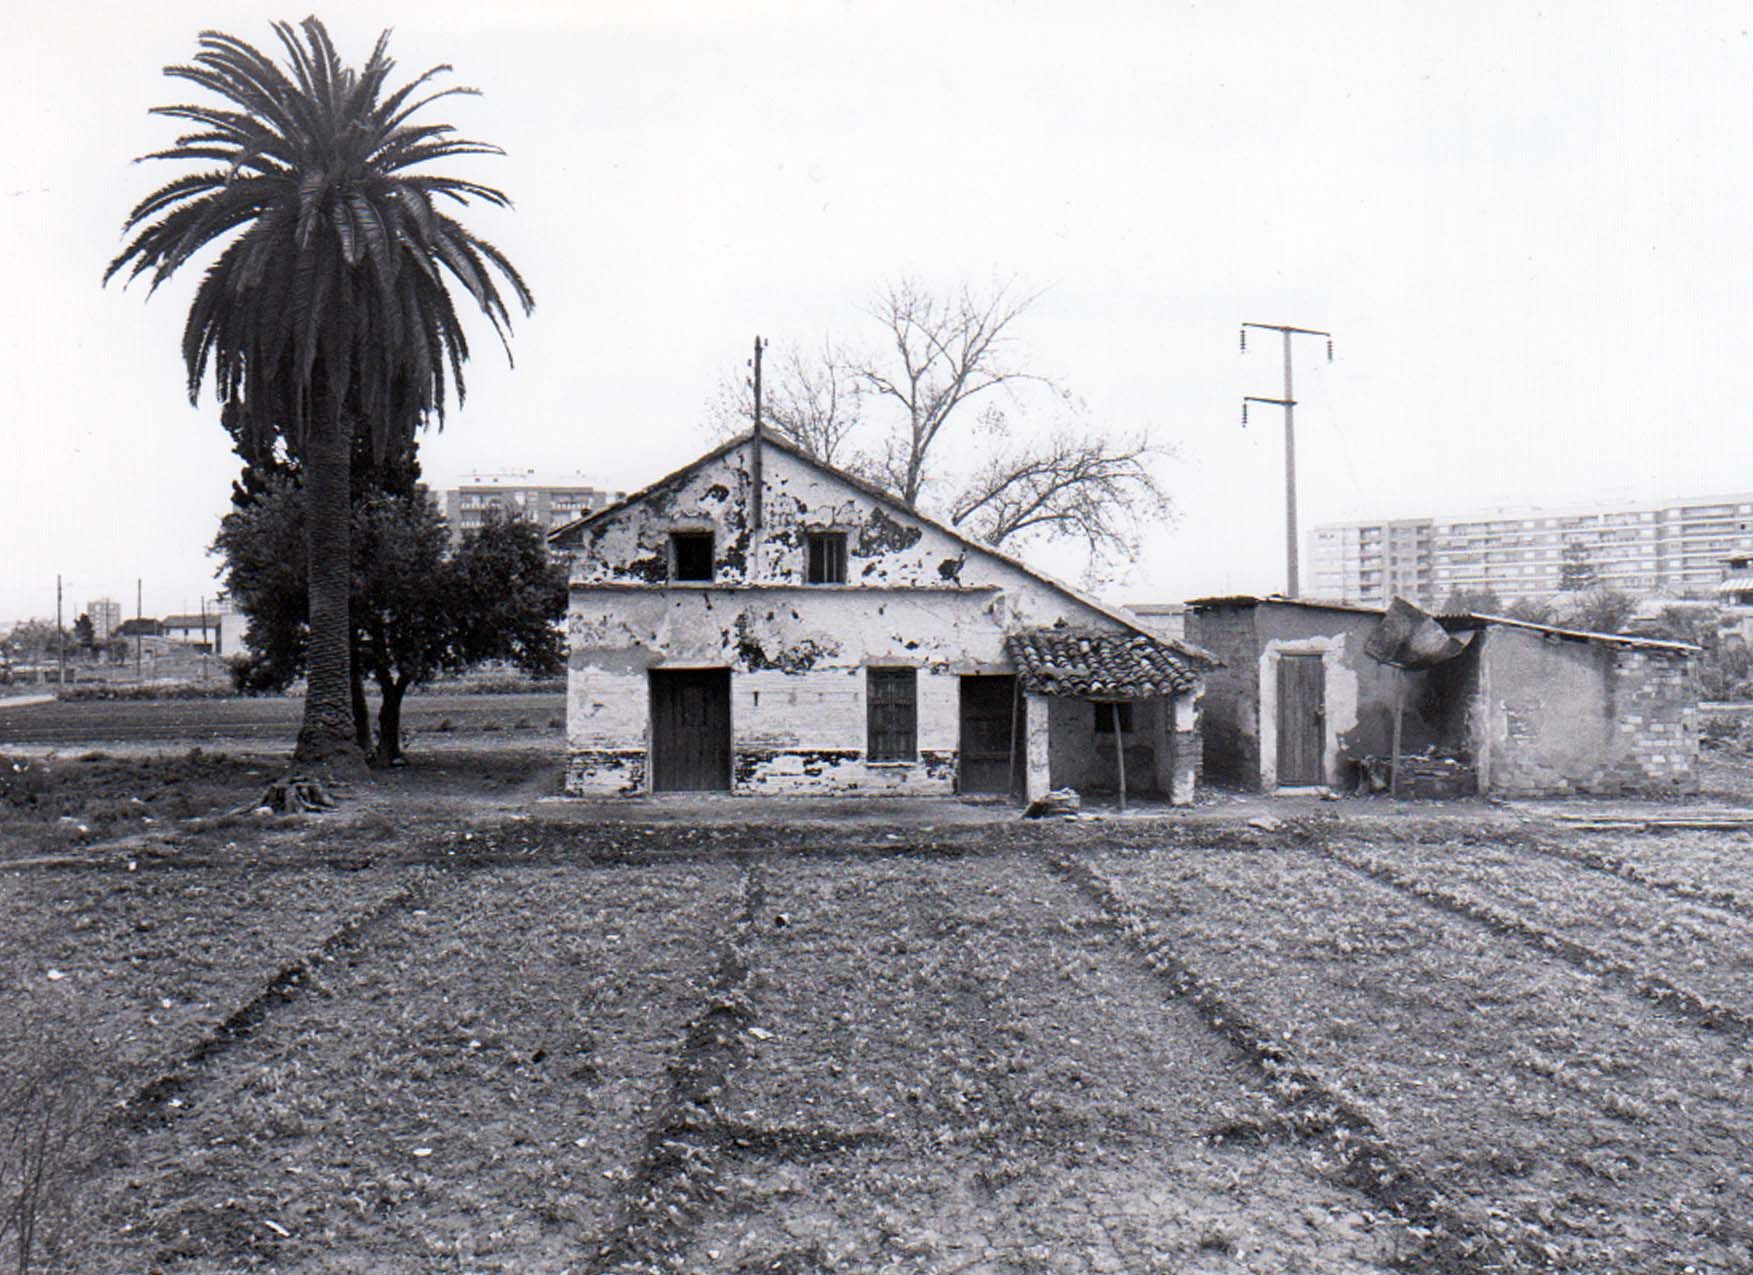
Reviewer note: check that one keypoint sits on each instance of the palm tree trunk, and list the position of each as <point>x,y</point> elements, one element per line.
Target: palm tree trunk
<point>326,738</point>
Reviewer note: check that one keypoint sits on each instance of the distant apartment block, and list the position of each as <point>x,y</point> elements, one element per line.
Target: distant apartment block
<point>518,495</point>
<point>1674,548</point>
<point>106,618</point>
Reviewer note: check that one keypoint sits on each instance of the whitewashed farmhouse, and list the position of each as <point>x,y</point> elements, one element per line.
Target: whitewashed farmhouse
<point>761,623</point>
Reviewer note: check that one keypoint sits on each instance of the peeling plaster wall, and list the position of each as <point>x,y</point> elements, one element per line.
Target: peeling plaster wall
<point>1564,716</point>
<point>883,547</point>
<point>1240,707</point>
<point>1339,722</point>
<point>914,597</point>
<point>1230,733</point>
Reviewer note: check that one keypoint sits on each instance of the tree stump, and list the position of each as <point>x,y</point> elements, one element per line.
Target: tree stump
<point>293,795</point>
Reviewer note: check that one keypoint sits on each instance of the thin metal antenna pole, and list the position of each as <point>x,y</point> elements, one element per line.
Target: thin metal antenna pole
<point>757,465</point>
<point>1290,531</point>
<point>1288,403</point>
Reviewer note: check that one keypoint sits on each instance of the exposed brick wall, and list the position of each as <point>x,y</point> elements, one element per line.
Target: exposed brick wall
<point>1583,717</point>
<point>1656,698</point>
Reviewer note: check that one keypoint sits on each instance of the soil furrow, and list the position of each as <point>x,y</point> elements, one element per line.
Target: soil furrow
<point>1664,992</point>
<point>149,1099</point>
<point>1624,870</point>
<point>683,1148</point>
<point>1314,1109</point>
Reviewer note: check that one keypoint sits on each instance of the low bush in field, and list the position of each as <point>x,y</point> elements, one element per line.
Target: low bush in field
<point>169,690</point>
<point>49,803</point>
<point>52,1131</point>
<point>503,684</point>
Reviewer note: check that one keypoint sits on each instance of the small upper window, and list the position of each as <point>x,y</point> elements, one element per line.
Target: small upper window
<point>691,555</point>
<point>827,564</point>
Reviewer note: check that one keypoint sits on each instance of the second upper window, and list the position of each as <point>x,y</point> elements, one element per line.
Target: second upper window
<point>691,555</point>
<point>827,557</point>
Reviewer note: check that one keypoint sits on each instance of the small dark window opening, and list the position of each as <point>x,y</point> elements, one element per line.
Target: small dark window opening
<point>691,555</point>
<point>892,703</point>
<point>827,557</point>
<point>1105,719</point>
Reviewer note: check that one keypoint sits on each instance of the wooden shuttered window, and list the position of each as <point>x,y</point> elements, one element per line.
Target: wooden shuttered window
<point>827,557</point>
<point>892,703</point>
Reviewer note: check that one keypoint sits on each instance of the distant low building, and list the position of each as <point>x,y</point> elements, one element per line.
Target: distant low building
<point>1734,593</point>
<point>197,629</point>
<point>518,495</point>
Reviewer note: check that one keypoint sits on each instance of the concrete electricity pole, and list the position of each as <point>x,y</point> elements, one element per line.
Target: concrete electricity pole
<point>1288,403</point>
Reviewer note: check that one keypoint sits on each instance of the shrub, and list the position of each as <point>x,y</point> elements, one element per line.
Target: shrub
<point>51,1132</point>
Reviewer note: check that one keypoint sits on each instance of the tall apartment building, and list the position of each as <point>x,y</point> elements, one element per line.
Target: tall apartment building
<point>106,617</point>
<point>518,494</point>
<point>1674,548</point>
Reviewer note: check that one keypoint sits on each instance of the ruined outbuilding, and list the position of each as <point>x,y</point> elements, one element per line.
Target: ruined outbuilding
<point>761,623</point>
<point>1523,710</point>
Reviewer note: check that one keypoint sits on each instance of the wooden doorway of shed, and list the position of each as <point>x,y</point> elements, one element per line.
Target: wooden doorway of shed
<point>989,733</point>
<point>1302,720</point>
<point>690,730</point>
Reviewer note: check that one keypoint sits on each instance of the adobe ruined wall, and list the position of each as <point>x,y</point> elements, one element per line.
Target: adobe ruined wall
<point>1240,705</point>
<point>1231,707</point>
<point>1561,716</point>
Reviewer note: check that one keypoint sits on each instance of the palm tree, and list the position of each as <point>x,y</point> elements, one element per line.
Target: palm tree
<point>329,312</point>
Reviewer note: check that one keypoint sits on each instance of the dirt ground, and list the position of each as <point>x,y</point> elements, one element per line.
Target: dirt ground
<point>463,1025</point>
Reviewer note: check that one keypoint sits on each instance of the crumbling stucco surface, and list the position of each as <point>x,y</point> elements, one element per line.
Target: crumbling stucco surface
<point>1561,716</point>
<point>914,597</point>
<point>1536,713</point>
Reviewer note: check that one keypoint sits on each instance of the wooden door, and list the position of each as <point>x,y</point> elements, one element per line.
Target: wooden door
<point>988,703</point>
<point>690,730</point>
<point>1302,720</point>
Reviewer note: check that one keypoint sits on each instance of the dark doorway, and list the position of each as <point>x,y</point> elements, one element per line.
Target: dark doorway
<point>988,707</point>
<point>690,730</point>
<point>1302,724</point>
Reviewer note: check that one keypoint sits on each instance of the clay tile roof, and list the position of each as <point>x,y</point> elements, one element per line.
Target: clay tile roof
<point>1096,664</point>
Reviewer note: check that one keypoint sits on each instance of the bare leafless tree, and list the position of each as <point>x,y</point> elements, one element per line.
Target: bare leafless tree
<point>938,355</point>
<point>812,400</point>
<point>1076,485</point>
<point>951,367</point>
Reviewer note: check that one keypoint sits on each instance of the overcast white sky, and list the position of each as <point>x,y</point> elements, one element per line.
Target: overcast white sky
<point>1529,226</point>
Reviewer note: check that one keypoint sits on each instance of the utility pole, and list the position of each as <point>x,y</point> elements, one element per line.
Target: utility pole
<point>138,640</point>
<point>1288,403</point>
<point>757,464</point>
<point>60,637</point>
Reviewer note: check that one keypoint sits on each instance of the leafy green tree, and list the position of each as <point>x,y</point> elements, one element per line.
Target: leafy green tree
<point>1472,602</point>
<point>1576,568</point>
<point>326,316</point>
<point>84,632</point>
<point>1533,610</point>
<point>1601,610</point>
<point>419,608</point>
